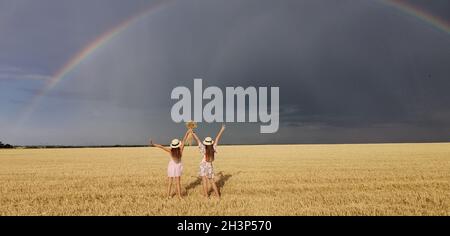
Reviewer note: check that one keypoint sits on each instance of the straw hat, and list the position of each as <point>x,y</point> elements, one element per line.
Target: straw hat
<point>208,141</point>
<point>175,143</point>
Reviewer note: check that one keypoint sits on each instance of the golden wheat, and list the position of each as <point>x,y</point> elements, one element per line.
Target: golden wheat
<point>369,179</point>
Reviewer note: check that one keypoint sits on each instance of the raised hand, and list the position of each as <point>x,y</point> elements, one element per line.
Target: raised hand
<point>159,146</point>
<point>219,135</point>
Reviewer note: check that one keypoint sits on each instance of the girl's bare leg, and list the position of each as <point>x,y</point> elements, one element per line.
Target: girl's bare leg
<point>216,189</point>
<point>178,186</point>
<point>169,188</point>
<point>205,186</point>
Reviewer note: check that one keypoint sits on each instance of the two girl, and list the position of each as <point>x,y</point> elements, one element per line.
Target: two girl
<point>208,150</point>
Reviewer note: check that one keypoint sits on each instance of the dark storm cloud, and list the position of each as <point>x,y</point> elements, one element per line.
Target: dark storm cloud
<point>46,33</point>
<point>362,67</point>
<point>69,95</point>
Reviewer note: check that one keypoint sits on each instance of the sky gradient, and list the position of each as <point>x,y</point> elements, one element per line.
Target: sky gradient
<point>348,71</point>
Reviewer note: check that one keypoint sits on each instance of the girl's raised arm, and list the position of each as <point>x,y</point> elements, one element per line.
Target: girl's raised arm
<point>159,146</point>
<point>196,138</point>
<point>219,135</point>
<point>184,139</point>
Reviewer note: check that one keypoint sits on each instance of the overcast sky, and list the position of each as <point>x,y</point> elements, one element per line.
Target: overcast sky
<point>348,71</point>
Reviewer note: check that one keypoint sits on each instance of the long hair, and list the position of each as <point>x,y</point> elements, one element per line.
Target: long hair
<point>209,153</point>
<point>176,154</point>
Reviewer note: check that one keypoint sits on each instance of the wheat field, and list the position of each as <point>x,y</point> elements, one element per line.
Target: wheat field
<point>362,179</point>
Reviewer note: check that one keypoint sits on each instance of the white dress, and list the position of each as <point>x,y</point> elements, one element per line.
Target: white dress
<point>175,169</point>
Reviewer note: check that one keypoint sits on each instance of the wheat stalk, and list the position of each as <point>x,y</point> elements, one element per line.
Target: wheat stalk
<point>190,125</point>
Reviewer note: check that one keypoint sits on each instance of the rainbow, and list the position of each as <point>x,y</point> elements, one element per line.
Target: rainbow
<point>93,46</point>
<point>87,51</point>
<point>419,13</point>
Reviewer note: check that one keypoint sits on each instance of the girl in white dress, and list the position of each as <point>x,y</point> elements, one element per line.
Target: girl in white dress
<point>175,167</point>
<point>208,149</point>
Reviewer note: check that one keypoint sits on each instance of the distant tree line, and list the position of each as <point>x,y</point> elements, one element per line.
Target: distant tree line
<point>88,146</point>
<point>5,145</point>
